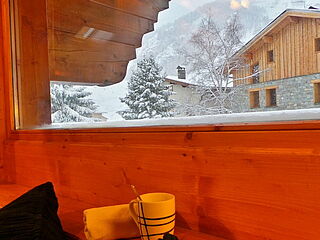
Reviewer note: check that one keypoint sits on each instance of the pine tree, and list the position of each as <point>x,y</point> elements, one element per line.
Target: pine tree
<point>148,96</point>
<point>71,104</point>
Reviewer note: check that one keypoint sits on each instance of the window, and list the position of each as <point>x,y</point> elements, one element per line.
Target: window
<point>271,97</point>
<point>255,73</point>
<point>83,58</point>
<point>254,99</point>
<point>317,44</point>
<point>270,56</point>
<point>316,87</point>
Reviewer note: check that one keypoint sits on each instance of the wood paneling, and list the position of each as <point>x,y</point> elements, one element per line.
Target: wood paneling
<point>247,182</point>
<point>2,107</point>
<point>6,93</point>
<point>237,185</point>
<point>294,51</point>
<point>33,88</point>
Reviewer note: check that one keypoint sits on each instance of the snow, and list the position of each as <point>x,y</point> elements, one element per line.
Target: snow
<point>272,116</point>
<point>107,99</point>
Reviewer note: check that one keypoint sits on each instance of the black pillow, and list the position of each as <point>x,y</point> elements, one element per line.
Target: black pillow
<point>32,216</point>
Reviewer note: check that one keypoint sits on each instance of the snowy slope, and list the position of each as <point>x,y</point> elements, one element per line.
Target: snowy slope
<point>166,40</point>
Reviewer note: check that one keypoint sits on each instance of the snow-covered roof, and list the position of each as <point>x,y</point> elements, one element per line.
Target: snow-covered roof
<point>303,13</point>
<point>176,80</point>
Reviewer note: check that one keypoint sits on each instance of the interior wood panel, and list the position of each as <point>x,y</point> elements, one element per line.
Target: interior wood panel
<point>32,41</point>
<point>2,109</point>
<point>229,184</point>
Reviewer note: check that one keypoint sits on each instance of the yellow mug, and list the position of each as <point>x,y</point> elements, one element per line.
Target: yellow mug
<point>154,215</point>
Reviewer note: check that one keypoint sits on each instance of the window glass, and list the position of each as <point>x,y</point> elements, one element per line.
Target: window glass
<point>254,99</point>
<point>97,62</point>
<point>317,92</point>
<point>270,56</point>
<point>271,97</point>
<point>317,44</point>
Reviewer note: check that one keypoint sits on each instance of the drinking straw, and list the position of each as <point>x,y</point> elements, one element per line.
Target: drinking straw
<point>136,192</point>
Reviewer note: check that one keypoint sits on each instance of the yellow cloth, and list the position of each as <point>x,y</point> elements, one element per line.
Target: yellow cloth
<point>108,223</point>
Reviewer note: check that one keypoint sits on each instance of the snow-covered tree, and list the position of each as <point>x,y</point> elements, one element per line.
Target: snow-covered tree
<point>211,62</point>
<point>71,104</point>
<point>148,96</point>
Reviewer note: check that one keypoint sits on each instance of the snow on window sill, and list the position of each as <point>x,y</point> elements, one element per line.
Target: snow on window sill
<point>235,118</point>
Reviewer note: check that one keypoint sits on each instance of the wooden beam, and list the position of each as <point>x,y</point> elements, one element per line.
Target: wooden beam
<point>142,8</point>
<point>248,56</point>
<point>71,47</point>
<point>74,24</point>
<point>267,39</point>
<point>87,73</point>
<point>91,14</point>
<point>293,19</point>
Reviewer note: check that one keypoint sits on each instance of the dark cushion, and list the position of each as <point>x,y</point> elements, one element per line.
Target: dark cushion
<point>32,216</point>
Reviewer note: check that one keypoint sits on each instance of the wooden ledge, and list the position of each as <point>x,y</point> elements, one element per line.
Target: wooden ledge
<point>70,213</point>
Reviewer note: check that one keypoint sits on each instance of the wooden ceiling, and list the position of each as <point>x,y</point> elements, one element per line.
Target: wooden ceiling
<point>92,41</point>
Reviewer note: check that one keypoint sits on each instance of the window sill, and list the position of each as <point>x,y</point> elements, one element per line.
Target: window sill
<point>253,121</point>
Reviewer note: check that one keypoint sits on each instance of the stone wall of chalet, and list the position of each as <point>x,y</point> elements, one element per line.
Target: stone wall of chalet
<point>292,93</point>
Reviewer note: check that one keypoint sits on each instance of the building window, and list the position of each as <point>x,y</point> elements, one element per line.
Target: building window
<point>270,56</point>
<point>271,97</point>
<point>317,44</point>
<point>316,92</point>
<point>254,99</point>
<point>255,73</point>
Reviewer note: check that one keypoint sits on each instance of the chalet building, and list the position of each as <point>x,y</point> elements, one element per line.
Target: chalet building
<point>183,91</point>
<point>282,69</point>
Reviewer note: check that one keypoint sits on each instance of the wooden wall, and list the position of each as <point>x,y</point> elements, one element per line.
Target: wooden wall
<point>241,183</point>
<point>294,52</point>
<point>4,104</point>
<point>244,185</point>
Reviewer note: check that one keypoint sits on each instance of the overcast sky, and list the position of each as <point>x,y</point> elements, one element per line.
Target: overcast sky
<point>178,8</point>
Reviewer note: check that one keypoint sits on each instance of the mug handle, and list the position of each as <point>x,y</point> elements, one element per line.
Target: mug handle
<point>133,212</point>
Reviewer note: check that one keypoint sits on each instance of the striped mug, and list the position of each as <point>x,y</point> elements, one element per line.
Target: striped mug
<point>154,214</point>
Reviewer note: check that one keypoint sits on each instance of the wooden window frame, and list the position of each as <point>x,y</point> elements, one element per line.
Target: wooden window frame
<point>252,98</point>
<point>316,91</point>
<point>317,45</point>
<point>270,56</point>
<point>268,97</point>
<point>11,134</point>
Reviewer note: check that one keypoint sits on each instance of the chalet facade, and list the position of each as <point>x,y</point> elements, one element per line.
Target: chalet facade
<point>282,65</point>
<point>184,93</point>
